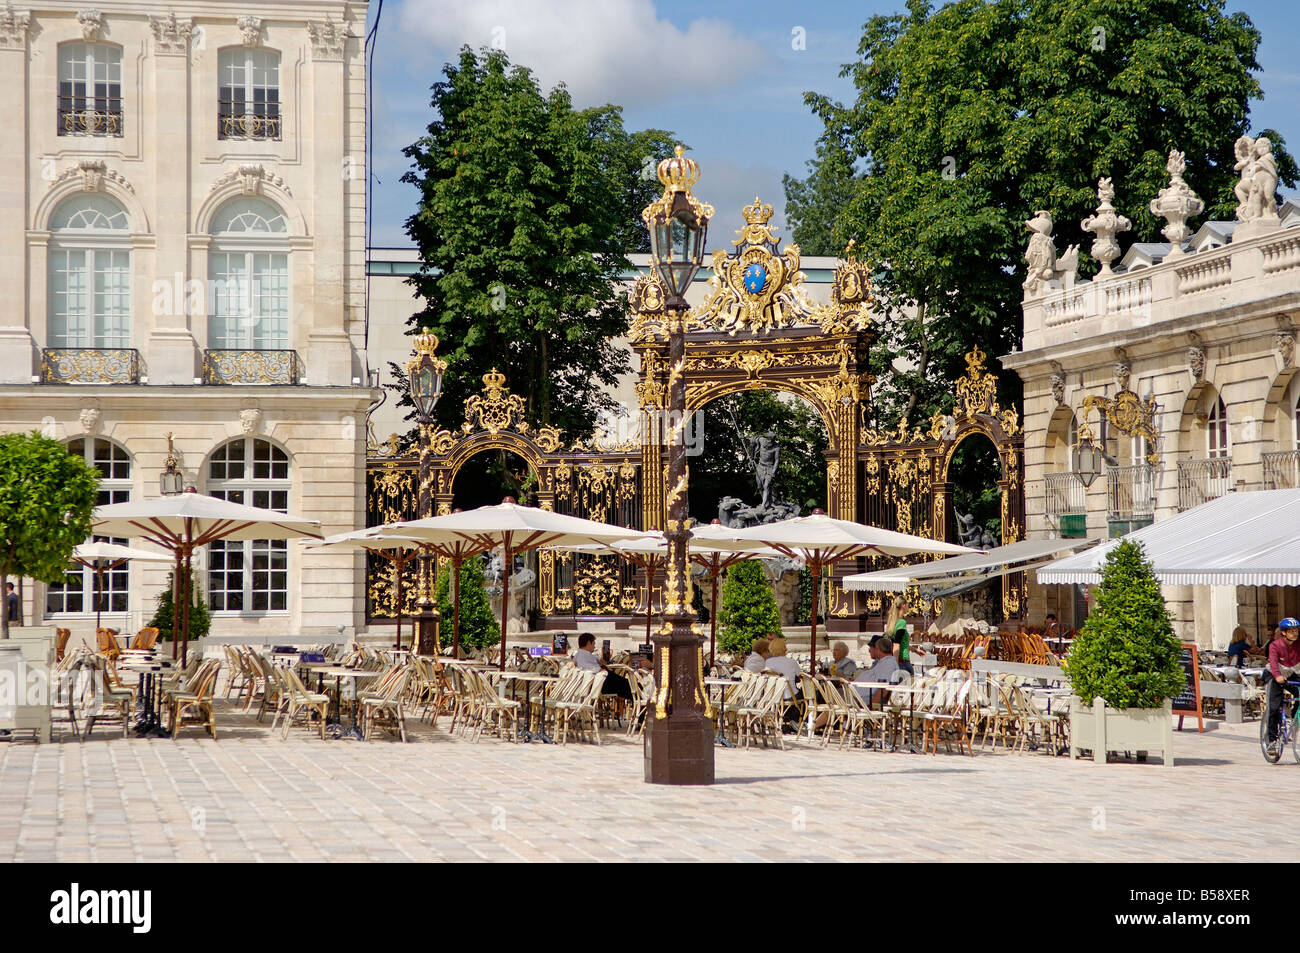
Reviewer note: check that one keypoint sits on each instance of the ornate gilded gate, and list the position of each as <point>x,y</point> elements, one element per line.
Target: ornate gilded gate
<point>895,479</point>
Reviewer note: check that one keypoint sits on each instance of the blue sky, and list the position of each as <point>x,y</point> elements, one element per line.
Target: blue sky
<point>734,91</point>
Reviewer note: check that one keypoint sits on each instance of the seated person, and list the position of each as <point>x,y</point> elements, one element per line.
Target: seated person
<point>757,656</point>
<point>1239,648</point>
<point>842,666</point>
<point>779,662</point>
<point>586,660</point>
<point>882,669</point>
<point>1051,628</point>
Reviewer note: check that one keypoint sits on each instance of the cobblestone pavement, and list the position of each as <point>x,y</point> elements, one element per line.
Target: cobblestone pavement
<point>252,796</point>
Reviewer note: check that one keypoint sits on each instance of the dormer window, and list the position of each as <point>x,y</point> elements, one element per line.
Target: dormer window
<point>248,97</point>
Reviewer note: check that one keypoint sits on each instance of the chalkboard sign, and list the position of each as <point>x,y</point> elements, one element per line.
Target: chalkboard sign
<point>1188,701</point>
<point>560,644</point>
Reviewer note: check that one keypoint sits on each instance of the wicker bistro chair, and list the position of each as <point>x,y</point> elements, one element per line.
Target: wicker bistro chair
<point>489,710</point>
<point>857,718</point>
<point>762,716</point>
<point>582,710</point>
<point>61,637</point>
<point>383,708</point>
<point>948,718</point>
<point>644,689</point>
<point>108,698</point>
<point>146,638</point>
<point>296,699</point>
<point>106,639</point>
<point>194,705</point>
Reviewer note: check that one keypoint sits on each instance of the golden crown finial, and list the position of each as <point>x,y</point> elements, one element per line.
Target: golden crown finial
<point>494,380</point>
<point>426,342</point>
<point>679,173</point>
<point>757,214</point>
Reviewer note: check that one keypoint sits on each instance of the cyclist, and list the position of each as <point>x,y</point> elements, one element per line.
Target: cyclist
<point>1283,663</point>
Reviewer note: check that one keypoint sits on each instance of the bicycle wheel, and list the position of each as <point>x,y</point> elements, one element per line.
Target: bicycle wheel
<point>1274,756</point>
<point>1295,736</point>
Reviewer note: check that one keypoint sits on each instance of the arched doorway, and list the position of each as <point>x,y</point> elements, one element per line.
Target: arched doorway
<point>490,475</point>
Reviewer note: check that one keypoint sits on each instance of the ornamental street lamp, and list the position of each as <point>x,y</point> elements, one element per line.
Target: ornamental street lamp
<point>679,736</point>
<point>172,480</point>
<point>424,378</point>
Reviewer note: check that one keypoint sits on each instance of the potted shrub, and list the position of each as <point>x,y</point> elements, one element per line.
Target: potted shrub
<point>1124,665</point>
<point>748,609</point>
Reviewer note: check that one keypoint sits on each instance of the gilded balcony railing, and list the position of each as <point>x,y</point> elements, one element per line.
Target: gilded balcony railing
<point>231,366</point>
<point>1202,480</point>
<point>1281,469</point>
<point>90,122</point>
<point>1130,493</point>
<point>248,126</point>
<point>90,365</point>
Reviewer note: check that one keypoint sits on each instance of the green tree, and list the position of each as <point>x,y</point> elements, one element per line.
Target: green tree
<point>47,496</point>
<point>1127,652</point>
<point>200,619</point>
<point>747,610</point>
<point>970,117</point>
<point>478,626</point>
<point>724,467</point>
<point>528,210</point>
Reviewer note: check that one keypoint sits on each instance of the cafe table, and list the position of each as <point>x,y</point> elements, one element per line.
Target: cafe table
<point>149,669</point>
<point>338,673</point>
<point>722,684</point>
<point>528,678</point>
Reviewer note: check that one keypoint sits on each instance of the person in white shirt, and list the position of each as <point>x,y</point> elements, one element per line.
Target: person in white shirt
<point>757,656</point>
<point>883,666</point>
<point>778,662</point>
<point>586,660</point>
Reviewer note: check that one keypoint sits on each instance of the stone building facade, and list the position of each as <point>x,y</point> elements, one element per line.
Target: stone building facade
<point>1181,363</point>
<point>184,246</point>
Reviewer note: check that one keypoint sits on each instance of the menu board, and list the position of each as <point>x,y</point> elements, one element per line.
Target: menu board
<point>560,644</point>
<point>1188,701</point>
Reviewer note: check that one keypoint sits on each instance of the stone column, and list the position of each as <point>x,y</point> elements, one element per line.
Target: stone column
<point>171,356</point>
<point>16,167</point>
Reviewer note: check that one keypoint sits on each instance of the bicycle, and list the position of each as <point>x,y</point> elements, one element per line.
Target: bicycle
<point>1288,730</point>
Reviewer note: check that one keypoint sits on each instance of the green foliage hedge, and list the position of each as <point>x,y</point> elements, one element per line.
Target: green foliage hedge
<point>478,625</point>
<point>748,609</point>
<point>1127,652</point>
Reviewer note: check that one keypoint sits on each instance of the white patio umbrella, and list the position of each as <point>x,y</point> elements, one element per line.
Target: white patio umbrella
<point>513,527</point>
<point>105,557</point>
<point>188,520</point>
<point>821,541</point>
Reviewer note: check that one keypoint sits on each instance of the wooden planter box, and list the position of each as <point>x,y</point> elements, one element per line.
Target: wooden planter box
<point>1101,729</point>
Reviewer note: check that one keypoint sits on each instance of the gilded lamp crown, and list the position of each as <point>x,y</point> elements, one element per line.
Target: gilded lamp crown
<point>426,342</point>
<point>679,173</point>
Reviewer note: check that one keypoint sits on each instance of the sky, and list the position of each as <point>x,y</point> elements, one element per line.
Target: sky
<point>727,77</point>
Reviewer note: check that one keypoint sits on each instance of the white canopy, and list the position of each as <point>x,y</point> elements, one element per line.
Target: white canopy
<point>520,527</point>
<point>112,552</point>
<point>1240,539</point>
<point>821,539</point>
<point>1014,557</point>
<point>197,519</point>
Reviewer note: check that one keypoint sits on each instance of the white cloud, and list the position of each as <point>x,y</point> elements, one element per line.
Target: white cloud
<point>617,51</point>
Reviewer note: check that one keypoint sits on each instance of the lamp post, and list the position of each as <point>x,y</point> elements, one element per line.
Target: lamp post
<point>679,735</point>
<point>171,482</point>
<point>424,380</point>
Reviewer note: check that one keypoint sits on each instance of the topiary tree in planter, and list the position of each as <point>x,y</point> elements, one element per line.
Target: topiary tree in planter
<point>1127,652</point>
<point>748,608</point>
<point>1124,666</point>
<point>200,620</point>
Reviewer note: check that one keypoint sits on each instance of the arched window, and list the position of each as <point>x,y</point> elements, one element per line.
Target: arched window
<point>248,266</point>
<point>251,576</point>
<point>90,89</point>
<point>248,94</point>
<point>76,593</point>
<point>1216,431</point>
<point>90,273</point>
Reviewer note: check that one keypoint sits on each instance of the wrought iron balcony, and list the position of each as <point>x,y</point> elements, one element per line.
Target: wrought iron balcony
<point>90,365</point>
<point>1066,503</point>
<point>1202,480</point>
<point>233,366</point>
<point>1130,493</point>
<point>90,122</point>
<point>232,124</point>
<point>1282,470</point>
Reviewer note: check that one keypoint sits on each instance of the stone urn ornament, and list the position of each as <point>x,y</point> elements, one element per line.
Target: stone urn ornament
<point>1176,203</point>
<point>1105,223</point>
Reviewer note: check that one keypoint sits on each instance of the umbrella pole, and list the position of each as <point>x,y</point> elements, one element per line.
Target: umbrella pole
<point>455,625</point>
<point>176,606</point>
<point>713,612</point>
<point>505,594</point>
<point>649,595</point>
<point>189,588</point>
<point>816,587</point>
<point>400,563</point>
<point>99,595</point>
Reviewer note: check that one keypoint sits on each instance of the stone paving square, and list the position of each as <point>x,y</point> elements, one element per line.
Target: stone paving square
<point>251,796</point>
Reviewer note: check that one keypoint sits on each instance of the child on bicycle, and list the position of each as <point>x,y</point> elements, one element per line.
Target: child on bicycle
<point>1283,663</point>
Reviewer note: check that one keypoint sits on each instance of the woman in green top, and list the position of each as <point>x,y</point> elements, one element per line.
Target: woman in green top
<point>896,629</point>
